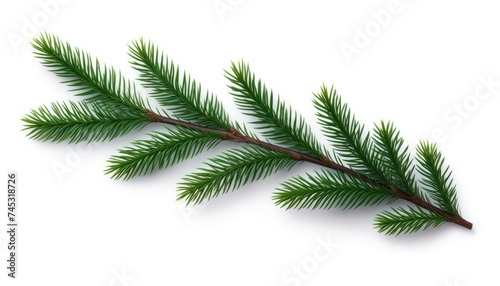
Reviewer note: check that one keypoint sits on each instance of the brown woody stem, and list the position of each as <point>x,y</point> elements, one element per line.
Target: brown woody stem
<point>236,136</point>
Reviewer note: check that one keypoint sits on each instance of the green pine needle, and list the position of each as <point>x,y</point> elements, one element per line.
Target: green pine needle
<point>276,121</point>
<point>397,158</point>
<point>328,189</point>
<point>162,150</point>
<point>100,85</point>
<point>402,221</point>
<point>347,135</point>
<point>437,179</point>
<point>176,91</point>
<point>79,122</point>
<point>231,170</point>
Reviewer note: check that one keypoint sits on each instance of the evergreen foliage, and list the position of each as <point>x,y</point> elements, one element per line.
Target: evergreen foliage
<point>365,169</point>
<point>273,118</point>
<point>437,179</point>
<point>98,84</point>
<point>231,170</point>
<point>396,158</point>
<point>347,135</point>
<point>160,151</point>
<point>79,122</point>
<point>401,221</point>
<point>328,189</point>
<point>175,90</point>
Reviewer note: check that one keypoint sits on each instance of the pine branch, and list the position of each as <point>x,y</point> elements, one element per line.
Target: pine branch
<point>327,189</point>
<point>162,150</point>
<point>275,120</point>
<point>100,85</point>
<point>237,136</point>
<point>396,158</point>
<point>176,91</point>
<point>79,122</point>
<point>347,135</point>
<point>377,171</point>
<point>402,221</point>
<point>231,170</point>
<point>436,179</point>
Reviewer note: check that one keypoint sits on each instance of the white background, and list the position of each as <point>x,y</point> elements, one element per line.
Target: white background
<point>419,68</point>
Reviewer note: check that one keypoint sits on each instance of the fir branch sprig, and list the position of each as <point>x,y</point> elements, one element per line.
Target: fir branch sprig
<point>274,119</point>
<point>395,157</point>
<point>348,136</point>
<point>328,189</point>
<point>162,150</point>
<point>100,85</point>
<point>378,169</point>
<point>436,179</point>
<point>176,91</point>
<point>402,221</point>
<point>231,170</point>
<point>80,122</point>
